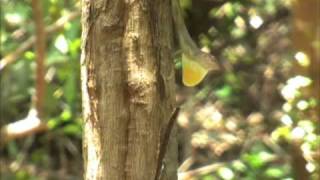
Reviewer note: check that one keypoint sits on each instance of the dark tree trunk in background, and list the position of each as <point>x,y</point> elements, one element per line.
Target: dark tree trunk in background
<point>128,91</point>
<point>306,36</point>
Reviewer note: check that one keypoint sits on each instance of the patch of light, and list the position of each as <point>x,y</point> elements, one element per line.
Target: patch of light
<point>286,120</point>
<point>256,21</point>
<point>310,167</point>
<point>302,59</point>
<point>287,107</point>
<point>299,81</point>
<point>13,18</point>
<point>216,116</point>
<point>302,105</point>
<point>311,137</point>
<point>298,133</point>
<point>205,49</point>
<point>289,92</point>
<point>306,125</point>
<point>306,147</point>
<point>239,21</point>
<point>61,44</point>
<point>231,125</point>
<point>226,173</point>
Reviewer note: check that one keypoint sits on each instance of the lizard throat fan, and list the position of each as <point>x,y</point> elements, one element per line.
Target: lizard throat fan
<point>192,71</point>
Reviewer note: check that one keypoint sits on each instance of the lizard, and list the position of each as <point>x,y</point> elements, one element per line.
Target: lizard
<point>195,63</point>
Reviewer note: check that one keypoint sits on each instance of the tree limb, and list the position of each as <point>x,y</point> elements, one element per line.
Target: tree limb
<point>21,128</point>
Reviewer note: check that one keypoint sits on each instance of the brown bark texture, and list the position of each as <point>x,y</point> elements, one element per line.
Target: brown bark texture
<point>127,75</point>
<point>40,48</point>
<point>306,37</point>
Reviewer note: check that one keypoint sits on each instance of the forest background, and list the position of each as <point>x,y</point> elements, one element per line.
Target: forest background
<point>257,119</point>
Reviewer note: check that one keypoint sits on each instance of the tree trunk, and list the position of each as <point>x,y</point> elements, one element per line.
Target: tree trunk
<point>306,37</point>
<point>128,89</point>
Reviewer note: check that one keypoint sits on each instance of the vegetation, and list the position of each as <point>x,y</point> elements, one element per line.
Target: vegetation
<point>258,118</point>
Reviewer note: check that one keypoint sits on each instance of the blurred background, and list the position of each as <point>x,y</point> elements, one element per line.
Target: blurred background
<point>257,119</point>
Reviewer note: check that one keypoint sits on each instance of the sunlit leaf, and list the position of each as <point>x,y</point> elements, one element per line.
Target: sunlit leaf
<point>224,92</point>
<point>66,115</point>
<point>274,172</point>
<point>72,129</point>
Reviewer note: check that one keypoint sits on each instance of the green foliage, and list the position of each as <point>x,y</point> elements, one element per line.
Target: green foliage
<point>62,98</point>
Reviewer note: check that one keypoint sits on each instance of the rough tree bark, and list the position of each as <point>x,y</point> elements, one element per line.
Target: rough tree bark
<point>127,87</point>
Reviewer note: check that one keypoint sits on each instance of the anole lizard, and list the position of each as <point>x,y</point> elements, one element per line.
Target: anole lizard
<point>195,63</point>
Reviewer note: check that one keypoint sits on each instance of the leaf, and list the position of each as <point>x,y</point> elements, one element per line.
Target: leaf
<point>207,177</point>
<point>257,160</point>
<point>274,172</point>
<point>66,115</point>
<point>224,92</point>
<point>72,129</point>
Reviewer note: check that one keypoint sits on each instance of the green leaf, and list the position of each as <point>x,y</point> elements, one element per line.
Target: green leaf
<point>239,166</point>
<point>22,175</point>
<point>72,129</point>
<point>29,55</point>
<point>208,177</point>
<point>66,115</point>
<point>224,92</point>
<point>274,172</point>
<point>257,160</point>
<point>53,123</point>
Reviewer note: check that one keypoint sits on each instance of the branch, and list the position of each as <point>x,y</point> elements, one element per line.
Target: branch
<point>40,48</point>
<point>185,165</point>
<point>13,56</point>
<point>21,128</point>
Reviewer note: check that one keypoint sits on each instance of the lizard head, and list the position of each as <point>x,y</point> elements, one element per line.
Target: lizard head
<point>208,61</point>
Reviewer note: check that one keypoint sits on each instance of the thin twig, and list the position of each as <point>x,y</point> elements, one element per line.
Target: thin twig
<point>40,48</point>
<point>165,140</point>
<point>185,165</point>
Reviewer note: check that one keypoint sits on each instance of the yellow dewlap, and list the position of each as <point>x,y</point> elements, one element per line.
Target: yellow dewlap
<point>192,72</point>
